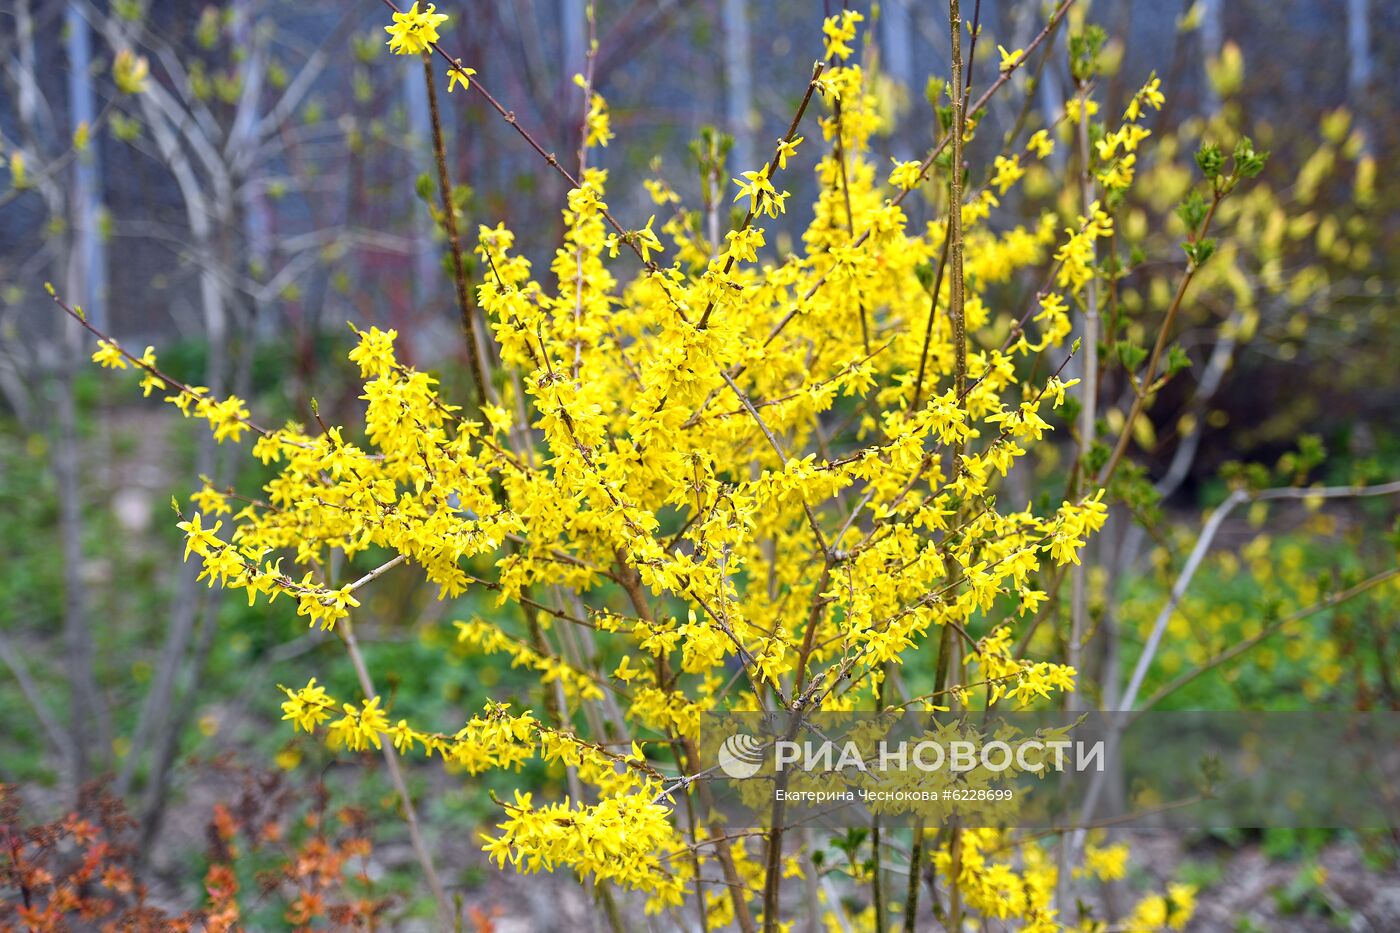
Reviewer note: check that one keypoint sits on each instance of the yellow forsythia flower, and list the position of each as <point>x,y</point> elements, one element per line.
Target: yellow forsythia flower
<point>413,32</point>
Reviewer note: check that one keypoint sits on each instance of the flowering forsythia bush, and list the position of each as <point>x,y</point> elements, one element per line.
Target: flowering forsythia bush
<point>747,479</point>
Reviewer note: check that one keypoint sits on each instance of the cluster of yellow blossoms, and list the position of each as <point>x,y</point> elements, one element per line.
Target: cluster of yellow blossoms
<point>414,31</point>
<point>748,481</point>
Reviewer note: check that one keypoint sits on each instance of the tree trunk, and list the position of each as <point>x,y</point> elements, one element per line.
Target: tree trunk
<point>738,83</point>
<point>85,725</point>
<point>87,175</point>
<point>1359,63</point>
<point>426,271</point>
<point>1212,39</point>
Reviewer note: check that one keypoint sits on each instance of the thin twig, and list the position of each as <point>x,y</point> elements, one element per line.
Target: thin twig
<point>446,913</point>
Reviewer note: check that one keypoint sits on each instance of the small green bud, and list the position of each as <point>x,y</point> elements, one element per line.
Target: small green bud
<point>1192,210</point>
<point>1210,159</point>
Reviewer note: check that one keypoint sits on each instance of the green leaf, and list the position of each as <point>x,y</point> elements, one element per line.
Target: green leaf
<point>1130,354</point>
<point>1097,456</point>
<point>1177,360</point>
